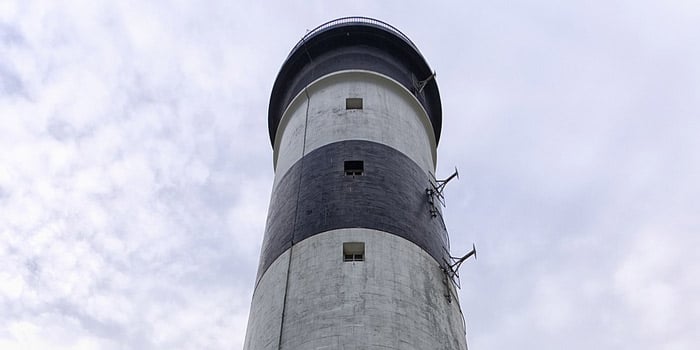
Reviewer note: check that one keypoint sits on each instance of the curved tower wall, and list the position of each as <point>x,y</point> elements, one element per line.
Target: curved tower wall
<point>391,293</point>
<point>391,115</point>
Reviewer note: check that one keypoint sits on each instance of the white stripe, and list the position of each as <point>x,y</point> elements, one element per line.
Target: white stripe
<point>391,115</point>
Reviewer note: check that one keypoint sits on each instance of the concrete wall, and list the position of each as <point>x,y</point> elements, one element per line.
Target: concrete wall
<point>395,299</point>
<point>391,116</point>
<point>264,323</point>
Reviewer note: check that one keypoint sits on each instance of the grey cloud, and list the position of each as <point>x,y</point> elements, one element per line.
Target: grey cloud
<point>10,82</point>
<point>10,36</point>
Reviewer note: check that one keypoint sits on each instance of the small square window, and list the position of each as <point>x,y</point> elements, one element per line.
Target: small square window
<point>354,167</point>
<point>353,103</point>
<point>353,251</point>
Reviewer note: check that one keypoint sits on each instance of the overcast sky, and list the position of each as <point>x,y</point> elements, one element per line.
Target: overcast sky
<point>136,169</point>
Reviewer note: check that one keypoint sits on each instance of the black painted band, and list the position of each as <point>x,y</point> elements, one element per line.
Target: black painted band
<point>316,196</point>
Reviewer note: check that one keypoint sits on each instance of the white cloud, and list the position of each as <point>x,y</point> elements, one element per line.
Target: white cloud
<point>656,281</point>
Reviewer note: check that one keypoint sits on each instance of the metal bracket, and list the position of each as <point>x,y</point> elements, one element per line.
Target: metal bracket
<point>452,270</point>
<point>455,266</point>
<point>420,85</point>
<point>435,192</point>
<point>446,281</point>
<point>450,273</point>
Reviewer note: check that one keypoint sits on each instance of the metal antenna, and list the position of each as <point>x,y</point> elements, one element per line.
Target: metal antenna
<point>452,269</point>
<point>455,266</point>
<point>435,191</point>
<point>441,183</point>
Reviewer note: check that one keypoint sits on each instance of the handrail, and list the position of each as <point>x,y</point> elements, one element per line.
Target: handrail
<point>350,20</point>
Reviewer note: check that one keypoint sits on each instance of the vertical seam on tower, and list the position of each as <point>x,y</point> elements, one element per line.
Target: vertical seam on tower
<point>301,164</point>
<point>284,302</point>
<point>296,207</point>
<point>296,212</point>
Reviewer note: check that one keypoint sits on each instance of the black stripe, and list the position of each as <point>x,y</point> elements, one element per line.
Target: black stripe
<point>390,196</point>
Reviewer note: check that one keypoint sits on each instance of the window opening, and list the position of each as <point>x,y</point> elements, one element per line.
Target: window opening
<point>353,103</point>
<point>354,167</point>
<point>353,251</point>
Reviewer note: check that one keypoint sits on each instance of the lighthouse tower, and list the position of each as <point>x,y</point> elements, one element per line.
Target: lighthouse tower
<point>355,253</point>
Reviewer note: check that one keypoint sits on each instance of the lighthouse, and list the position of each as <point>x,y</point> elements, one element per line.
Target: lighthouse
<point>355,253</point>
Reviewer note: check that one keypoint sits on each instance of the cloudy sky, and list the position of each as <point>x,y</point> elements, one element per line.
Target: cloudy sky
<point>135,167</point>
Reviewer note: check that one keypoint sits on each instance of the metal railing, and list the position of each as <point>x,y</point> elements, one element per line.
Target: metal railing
<point>352,20</point>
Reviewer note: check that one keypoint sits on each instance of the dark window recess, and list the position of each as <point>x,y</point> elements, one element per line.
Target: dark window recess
<point>353,103</point>
<point>353,251</point>
<point>354,167</point>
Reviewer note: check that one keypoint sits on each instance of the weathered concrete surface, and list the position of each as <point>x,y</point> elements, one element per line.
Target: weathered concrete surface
<point>264,323</point>
<point>395,299</point>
